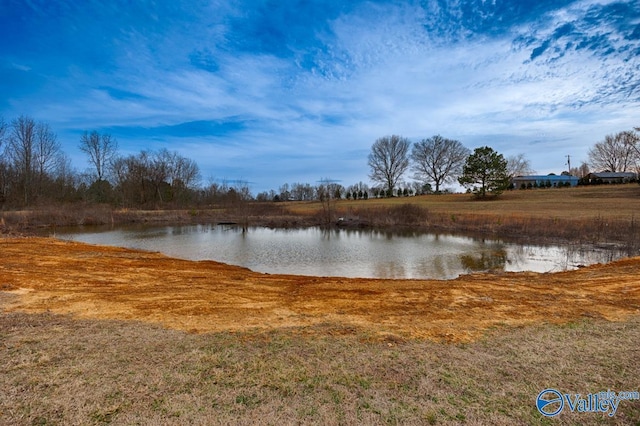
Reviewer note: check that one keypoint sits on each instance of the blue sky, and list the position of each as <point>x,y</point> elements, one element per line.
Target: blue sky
<point>296,91</point>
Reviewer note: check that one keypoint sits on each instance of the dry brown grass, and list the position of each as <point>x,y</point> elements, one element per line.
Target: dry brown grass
<point>59,215</point>
<point>613,201</point>
<point>307,350</point>
<point>584,214</point>
<point>61,370</point>
<point>81,214</point>
<point>397,216</point>
<point>609,201</point>
<point>606,213</point>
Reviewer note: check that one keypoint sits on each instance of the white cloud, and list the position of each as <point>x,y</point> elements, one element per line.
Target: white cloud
<point>376,72</point>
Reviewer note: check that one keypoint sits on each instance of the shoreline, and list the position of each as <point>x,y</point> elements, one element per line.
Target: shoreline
<point>103,282</point>
<point>623,233</point>
<point>613,251</point>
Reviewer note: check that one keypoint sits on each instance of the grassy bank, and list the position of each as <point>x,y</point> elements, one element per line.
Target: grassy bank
<point>607,213</point>
<point>58,370</point>
<point>584,215</point>
<point>55,216</point>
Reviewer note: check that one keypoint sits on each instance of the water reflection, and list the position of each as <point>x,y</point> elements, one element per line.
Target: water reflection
<point>389,270</point>
<point>349,253</point>
<point>493,260</point>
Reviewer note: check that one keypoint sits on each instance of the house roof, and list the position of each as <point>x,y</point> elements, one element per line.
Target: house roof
<point>551,178</point>
<point>610,175</point>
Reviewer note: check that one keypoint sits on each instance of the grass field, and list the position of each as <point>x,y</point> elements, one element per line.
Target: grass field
<point>61,370</point>
<point>607,213</point>
<point>617,202</point>
<point>102,335</point>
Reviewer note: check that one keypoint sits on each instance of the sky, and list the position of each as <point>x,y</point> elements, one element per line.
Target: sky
<point>283,91</point>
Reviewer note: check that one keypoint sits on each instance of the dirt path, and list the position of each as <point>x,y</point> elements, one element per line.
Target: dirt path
<point>107,282</point>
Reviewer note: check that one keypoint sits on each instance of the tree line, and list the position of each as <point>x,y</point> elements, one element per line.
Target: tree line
<point>619,152</point>
<point>437,160</point>
<point>35,170</point>
<point>358,191</point>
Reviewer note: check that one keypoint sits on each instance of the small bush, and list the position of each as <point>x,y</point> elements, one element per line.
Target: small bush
<point>408,214</point>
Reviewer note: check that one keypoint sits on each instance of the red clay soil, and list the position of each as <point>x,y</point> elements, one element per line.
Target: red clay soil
<point>48,275</point>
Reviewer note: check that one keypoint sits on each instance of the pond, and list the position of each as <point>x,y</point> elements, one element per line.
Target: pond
<point>345,253</point>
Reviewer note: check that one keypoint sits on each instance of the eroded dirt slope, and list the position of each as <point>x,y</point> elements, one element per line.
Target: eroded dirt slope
<point>106,282</point>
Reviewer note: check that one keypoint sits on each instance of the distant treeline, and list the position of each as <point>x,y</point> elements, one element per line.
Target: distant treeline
<point>35,171</point>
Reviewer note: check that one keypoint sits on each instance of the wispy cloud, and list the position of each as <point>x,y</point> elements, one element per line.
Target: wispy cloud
<point>296,91</point>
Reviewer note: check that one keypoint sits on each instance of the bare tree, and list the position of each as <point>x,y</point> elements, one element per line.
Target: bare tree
<point>101,150</point>
<point>285,193</point>
<point>131,178</point>
<point>19,151</point>
<point>46,153</point>
<point>64,180</point>
<point>155,176</point>
<point>33,153</point>
<point>617,153</point>
<point>633,140</point>
<point>302,191</point>
<point>4,166</point>
<point>171,168</point>
<point>181,171</point>
<point>581,171</point>
<point>518,165</point>
<point>3,130</point>
<point>326,193</point>
<point>438,160</point>
<point>389,160</point>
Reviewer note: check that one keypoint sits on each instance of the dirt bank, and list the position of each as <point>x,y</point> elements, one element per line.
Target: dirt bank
<point>105,282</point>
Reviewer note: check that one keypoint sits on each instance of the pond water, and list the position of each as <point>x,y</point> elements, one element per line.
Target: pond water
<point>345,253</point>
